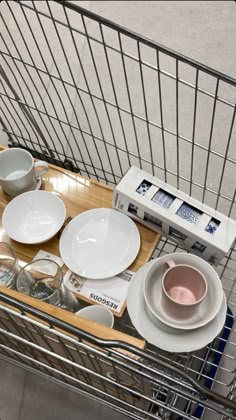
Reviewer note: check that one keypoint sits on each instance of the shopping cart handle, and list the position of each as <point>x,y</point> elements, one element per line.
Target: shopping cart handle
<point>220,399</point>
<point>204,392</point>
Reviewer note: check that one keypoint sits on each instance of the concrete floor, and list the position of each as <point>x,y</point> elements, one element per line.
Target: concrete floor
<point>26,396</point>
<point>202,30</point>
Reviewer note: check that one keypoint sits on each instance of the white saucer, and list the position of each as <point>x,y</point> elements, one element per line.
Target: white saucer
<point>159,334</point>
<point>208,308</point>
<point>99,243</point>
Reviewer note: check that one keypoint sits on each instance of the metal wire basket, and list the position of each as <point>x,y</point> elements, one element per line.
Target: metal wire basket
<point>84,93</point>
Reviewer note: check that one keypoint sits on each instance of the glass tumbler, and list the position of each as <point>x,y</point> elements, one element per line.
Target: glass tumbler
<point>9,267</point>
<point>43,280</point>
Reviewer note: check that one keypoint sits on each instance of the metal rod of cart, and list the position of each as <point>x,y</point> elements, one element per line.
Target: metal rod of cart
<point>88,95</point>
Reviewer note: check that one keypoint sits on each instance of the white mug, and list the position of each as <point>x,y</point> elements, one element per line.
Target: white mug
<point>97,313</point>
<point>18,172</point>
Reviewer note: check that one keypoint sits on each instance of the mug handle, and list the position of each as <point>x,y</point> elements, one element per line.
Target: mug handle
<point>43,171</point>
<point>169,264</point>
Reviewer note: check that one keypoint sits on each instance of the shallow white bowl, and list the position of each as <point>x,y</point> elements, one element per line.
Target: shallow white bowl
<point>34,217</point>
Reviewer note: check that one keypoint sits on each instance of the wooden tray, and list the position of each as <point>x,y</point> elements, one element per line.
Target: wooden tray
<point>79,194</point>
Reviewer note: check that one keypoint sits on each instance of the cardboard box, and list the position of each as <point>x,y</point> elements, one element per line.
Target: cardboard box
<point>188,222</point>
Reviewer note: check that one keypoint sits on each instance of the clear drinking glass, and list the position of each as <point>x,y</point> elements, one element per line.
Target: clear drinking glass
<point>43,280</point>
<point>9,267</point>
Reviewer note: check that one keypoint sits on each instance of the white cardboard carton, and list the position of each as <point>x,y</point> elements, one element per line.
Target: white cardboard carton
<point>188,222</point>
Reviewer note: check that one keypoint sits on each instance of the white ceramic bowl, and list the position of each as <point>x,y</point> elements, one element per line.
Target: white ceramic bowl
<point>34,217</point>
<point>99,314</point>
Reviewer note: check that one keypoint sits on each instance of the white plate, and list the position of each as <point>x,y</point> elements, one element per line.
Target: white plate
<point>34,217</point>
<point>159,334</point>
<point>208,308</point>
<point>99,243</point>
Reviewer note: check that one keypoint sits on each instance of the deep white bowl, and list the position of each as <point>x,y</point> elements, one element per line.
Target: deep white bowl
<point>34,217</point>
<point>99,314</point>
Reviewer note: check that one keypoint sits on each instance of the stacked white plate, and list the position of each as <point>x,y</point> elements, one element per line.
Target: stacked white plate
<point>156,326</point>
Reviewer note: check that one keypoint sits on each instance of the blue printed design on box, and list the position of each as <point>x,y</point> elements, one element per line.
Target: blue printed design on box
<point>163,198</point>
<point>212,226</point>
<point>189,213</point>
<point>143,187</point>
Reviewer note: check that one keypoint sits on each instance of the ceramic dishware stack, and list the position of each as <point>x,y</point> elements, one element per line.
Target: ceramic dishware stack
<point>96,245</point>
<point>177,303</point>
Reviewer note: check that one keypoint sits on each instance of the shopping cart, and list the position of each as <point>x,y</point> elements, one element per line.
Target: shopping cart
<point>88,95</point>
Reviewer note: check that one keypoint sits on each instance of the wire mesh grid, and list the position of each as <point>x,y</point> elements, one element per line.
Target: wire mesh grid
<point>77,86</point>
<point>84,93</point>
<point>138,384</point>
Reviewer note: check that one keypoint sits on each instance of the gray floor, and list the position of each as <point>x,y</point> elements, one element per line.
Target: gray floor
<point>26,396</point>
<point>203,30</point>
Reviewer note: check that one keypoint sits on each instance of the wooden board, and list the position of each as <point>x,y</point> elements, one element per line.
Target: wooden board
<point>79,194</point>
<point>91,327</point>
